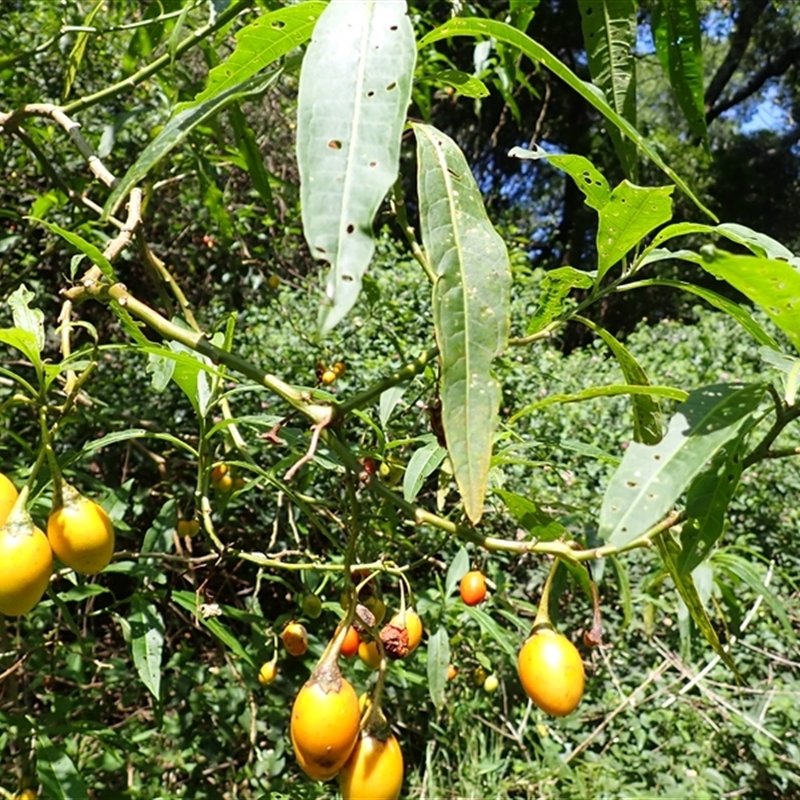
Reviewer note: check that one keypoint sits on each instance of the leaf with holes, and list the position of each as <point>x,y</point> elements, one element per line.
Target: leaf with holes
<point>553,291</point>
<point>646,408</point>
<point>587,177</point>
<point>471,301</point>
<point>630,214</point>
<point>676,33</point>
<point>258,44</point>
<point>355,86</point>
<point>609,33</point>
<point>707,504</point>
<point>651,478</point>
<point>473,26</point>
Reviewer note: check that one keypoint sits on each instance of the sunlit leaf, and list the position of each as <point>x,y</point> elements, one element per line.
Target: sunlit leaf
<point>651,478</point>
<point>473,26</point>
<point>56,772</point>
<point>647,426</point>
<point>471,300</point>
<point>609,34</point>
<point>355,86</point>
<point>147,642</point>
<point>676,33</point>
<point>556,285</point>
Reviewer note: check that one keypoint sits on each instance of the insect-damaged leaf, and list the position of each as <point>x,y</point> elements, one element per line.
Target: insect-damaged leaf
<point>471,300</point>
<point>355,86</point>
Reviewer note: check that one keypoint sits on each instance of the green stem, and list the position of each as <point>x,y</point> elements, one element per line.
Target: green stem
<point>402,375</point>
<point>399,207</point>
<point>143,74</point>
<point>317,413</point>
<point>542,619</point>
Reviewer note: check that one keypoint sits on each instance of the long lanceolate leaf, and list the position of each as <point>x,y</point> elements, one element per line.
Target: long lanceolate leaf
<point>650,479</point>
<point>471,26</point>
<point>676,32</point>
<point>355,87</point>
<point>609,33</point>
<point>471,300</point>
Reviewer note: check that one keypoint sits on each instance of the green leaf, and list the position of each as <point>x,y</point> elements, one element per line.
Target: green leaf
<point>555,287</point>
<point>791,369</point>
<point>538,523</point>
<point>602,391</point>
<point>669,550</point>
<point>676,33</point>
<point>473,26</point>
<point>630,214</point>
<point>587,177</point>
<point>647,426</point>
<point>758,243</point>
<point>248,147</point>
<point>355,86</point>
<point>772,284</point>
<point>421,464</point>
<point>467,85</point>
<point>626,214</point>
<point>438,661</point>
<point>388,402</point>
<point>147,642</point>
<point>507,640</point>
<point>624,586</point>
<point>731,308</point>
<point>28,329</point>
<point>75,56</point>
<point>471,300</point>
<point>95,254</point>
<point>188,600</point>
<point>258,44</point>
<point>458,568</point>
<point>179,127</point>
<point>651,478</point>
<point>744,570</point>
<point>707,504</point>
<point>56,772</point>
<point>134,433</point>
<point>609,33</point>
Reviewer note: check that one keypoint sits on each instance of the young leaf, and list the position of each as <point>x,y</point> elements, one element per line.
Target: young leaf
<point>471,300</point>
<point>669,550</point>
<point>438,661</point>
<point>651,478</point>
<point>258,44</point>
<point>539,524</point>
<point>630,214</point>
<point>647,426</point>
<point>56,772</point>
<point>458,568</point>
<point>707,504</point>
<point>473,26</point>
<point>27,319</point>
<point>248,147</point>
<point>609,33</point>
<point>355,86</point>
<point>676,32</point>
<point>421,464</point>
<point>555,287</point>
<point>147,642</point>
<point>467,85</point>
<point>78,242</point>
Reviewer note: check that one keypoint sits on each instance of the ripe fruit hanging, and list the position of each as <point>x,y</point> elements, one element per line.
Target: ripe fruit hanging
<point>351,643</point>
<point>325,722</point>
<point>368,652</point>
<point>8,496</point>
<point>26,563</point>
<point>295,639</point>
<point>473,587</point>
<point>80,533</point>
<point>374,770</point>
<point>551,672</point>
